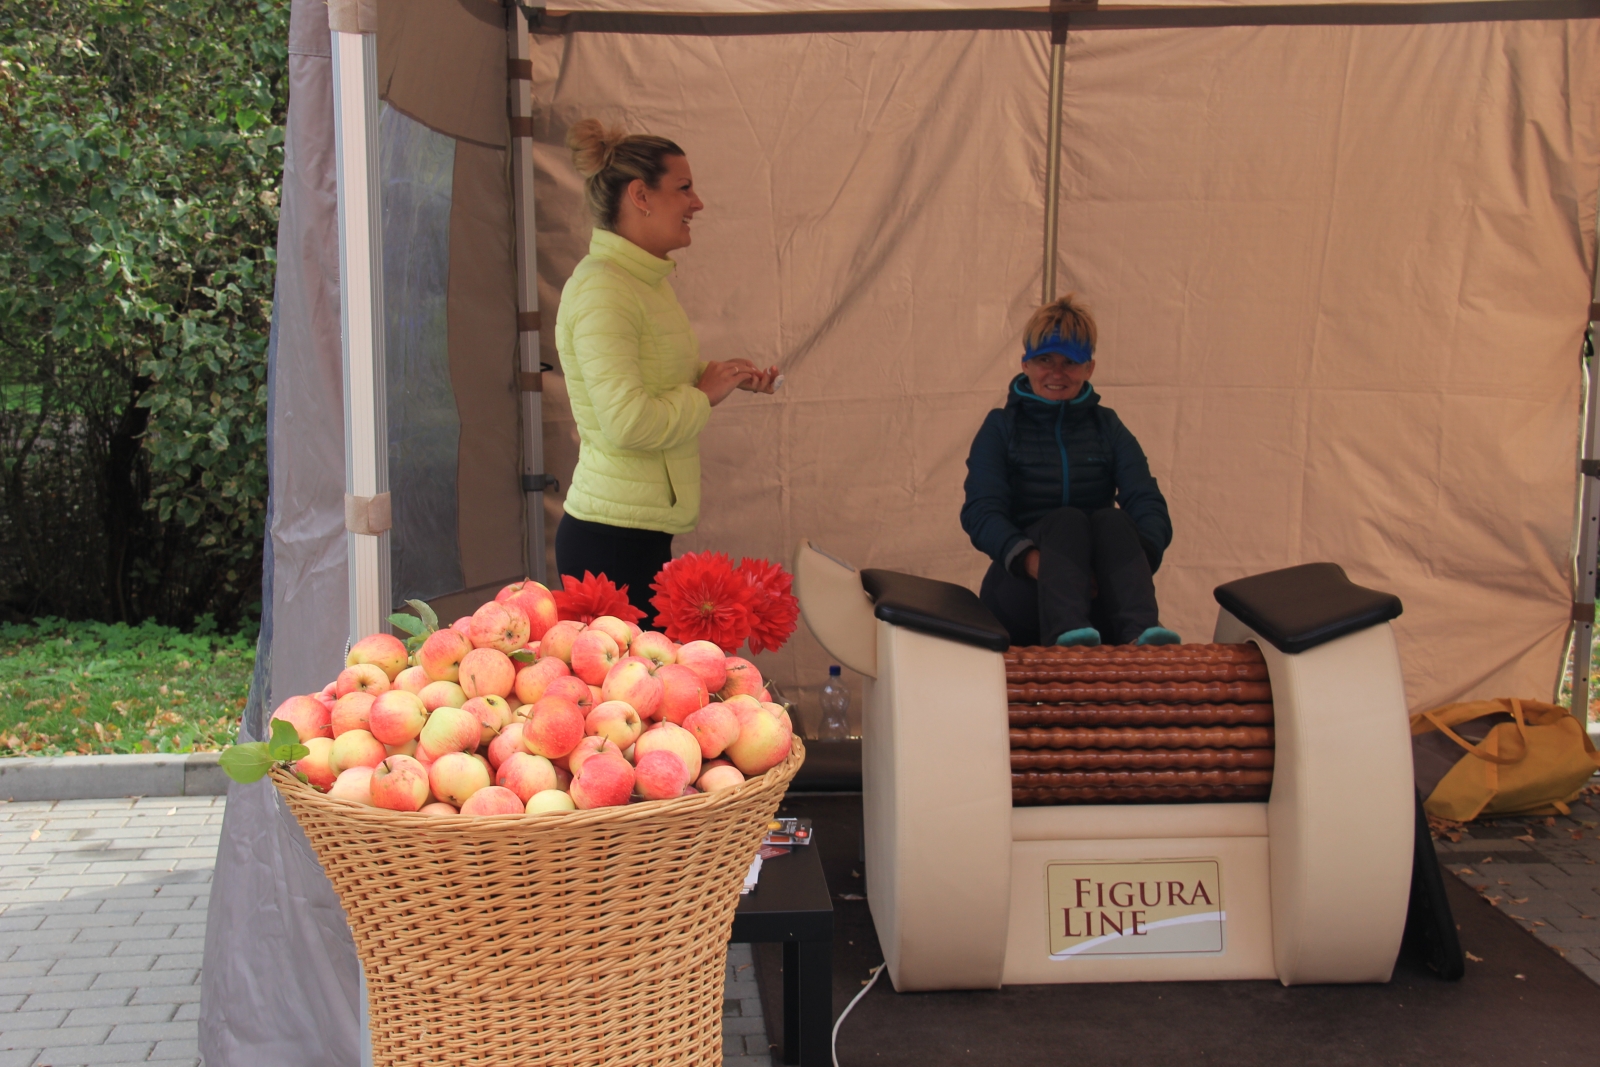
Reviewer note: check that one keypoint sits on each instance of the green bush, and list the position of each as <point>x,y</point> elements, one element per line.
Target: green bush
<point>141,149</point>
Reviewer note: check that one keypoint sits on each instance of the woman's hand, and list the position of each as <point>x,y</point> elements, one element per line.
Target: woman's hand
<point>761,381</point>
<point>1030,563</point>
<point>722,378</point>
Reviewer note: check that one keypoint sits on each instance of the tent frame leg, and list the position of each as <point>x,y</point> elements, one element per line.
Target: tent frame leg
<point>1588,534</point>
<point>519,56</point>
<point>1052,173</point>
<point>366,424</point>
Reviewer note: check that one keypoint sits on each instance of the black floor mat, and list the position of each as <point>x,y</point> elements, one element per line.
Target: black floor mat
<point>1522,1005</point>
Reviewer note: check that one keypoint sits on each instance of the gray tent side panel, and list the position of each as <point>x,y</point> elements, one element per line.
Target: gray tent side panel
<point>280,982</point>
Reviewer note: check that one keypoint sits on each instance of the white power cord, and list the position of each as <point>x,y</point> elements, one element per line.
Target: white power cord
<point>833,1045</point>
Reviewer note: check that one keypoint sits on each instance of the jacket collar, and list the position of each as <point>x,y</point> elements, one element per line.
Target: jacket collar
<point>1022,392</point>
<point>651,270</point>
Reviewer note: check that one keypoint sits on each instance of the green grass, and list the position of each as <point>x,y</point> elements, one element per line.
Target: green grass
<point>71,688</point>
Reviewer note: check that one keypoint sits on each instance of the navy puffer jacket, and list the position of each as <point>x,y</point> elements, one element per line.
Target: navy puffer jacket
<point>1036,455</point>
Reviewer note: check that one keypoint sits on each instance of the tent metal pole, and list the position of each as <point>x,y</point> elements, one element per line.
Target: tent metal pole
<point>1588,535</point>
<point>1052,166</point>
<point>519,66</point>
<point>366,430</point>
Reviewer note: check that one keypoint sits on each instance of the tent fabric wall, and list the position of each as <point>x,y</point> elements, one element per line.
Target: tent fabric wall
<point>1341,308</point>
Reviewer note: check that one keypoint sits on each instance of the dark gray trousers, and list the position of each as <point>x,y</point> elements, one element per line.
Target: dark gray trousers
<point>1092,572</point>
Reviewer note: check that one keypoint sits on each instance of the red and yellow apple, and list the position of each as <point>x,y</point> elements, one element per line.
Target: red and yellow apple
<point>603,781</point>
<point>355,748</point>
<point>764,739</point>
<point>399,783</point>
<point>507,742</point>
<point>309,716</point>
<point>742,678</point>
<point>526,774</point>
<point>536,602</point>
<point>706,660</point>
<point>486,672</point>
<point>557,641</point>
<point>494,800</point>
<point>385,651</point>
<point>493,712</point>
<point>314,764</point>
<point>352,711</point>
<point>719,774</point>
<point>553,728</point>
<point>715,727</point>
<point>354,784</point>
<point>653,646</point>
<point>594,652</point>
<point>455,776</point>
<point>500,626</point>
<point>589,746</point>
<point>669,737</point>
<point>361,678</point>
<point>441,654</point>
<point>550,802</point>
<point>397,717</point>
<point>412,679</point>
<point>630,680</point>
<point>535,678</point>
<point>682,693</point>
<point>659,775</point>
<point>451,730</point>
<point>615,720</point>
<point>436,695</point>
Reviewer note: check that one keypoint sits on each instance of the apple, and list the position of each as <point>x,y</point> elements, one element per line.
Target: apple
<point>487,671</point>
<point>412,679</point>
<point>361,678</point>
<point>494,800</point>
<point>354,784</point>
<point>631,680</point>
<point>438,807</point>
<point>742,678</point>
<point>451,730</point>
<point>715,727</point>
<point>384,651</point>
<point>493,712</point>
<point>327,697</point>
<point>604,781</point>
<point>500,626</point>
<point>455,776</point>
<point>619,631</point>
<point>592,745</point>
<point>564,779</point>
<point>436,695</point>
<point>550,801</point>
<point>526,774</point>
<point>355,748</point>
<point>309,716</point>
<point>594,652</point>
<point>615,720</point>
<point>653,646</point>
<point>659,775</point>
<point>719,774</point>
<point>682,693</point>
<point>536,602</point>
<point>557,641</point>
<point>441,654</point>
<point>463,625</point>
<point>352,712</point>
<point>533,679</point>
<point>397,717</point>
<point>400,783</point>
<point>554,728</point>
<point>671,738</point>
<point>407,748</point>
<point>764,738</point>
<point>505,744</point>
<point>706,660</point>
<point>314,765</point>
<point>573,689</point>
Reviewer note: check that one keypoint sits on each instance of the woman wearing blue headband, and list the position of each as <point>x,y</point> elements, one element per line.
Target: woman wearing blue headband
<point>1061,498</point>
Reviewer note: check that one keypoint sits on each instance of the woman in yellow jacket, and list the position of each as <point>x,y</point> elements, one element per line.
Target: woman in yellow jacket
<point>640,392</point>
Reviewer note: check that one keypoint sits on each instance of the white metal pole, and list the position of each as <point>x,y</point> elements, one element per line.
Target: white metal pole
<point>519,55</point>
<point>366,431</point>
<point>1588,536</point>
<point>1052,165</point>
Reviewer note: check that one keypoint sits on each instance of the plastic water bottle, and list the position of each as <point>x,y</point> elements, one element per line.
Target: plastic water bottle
<point>835,701</point>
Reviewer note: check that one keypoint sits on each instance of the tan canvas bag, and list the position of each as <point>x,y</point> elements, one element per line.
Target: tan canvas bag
<point>1535,764</point>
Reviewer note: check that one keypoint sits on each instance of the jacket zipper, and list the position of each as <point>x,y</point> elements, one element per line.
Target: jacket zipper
<point>1066,480</point>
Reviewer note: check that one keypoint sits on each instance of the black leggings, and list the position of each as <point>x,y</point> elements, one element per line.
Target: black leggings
<point>1078,551</point>
<point>629,557</point>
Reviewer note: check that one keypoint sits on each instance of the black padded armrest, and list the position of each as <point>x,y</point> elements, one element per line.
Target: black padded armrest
<point>1299,608</point>
<point>942,609</point>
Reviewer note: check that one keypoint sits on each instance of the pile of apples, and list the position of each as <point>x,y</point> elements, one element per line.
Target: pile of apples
<point>584,716</point>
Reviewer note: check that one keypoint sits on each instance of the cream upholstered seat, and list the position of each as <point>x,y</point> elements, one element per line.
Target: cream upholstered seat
<point>968,892</point>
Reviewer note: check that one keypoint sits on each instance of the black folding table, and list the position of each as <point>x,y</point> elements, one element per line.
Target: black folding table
<point>791,904</point>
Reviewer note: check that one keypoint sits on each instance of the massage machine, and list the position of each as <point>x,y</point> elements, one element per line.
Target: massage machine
<point>1242,809</point>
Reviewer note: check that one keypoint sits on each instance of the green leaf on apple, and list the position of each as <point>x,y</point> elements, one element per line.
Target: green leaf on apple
<point>246,763</point>
<point>522,655</point>
<point>409,623</point>
<point>284,744</point>
<point>429,618</point>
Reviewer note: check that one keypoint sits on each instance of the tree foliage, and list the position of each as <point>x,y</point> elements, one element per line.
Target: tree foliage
<point>141,146</point>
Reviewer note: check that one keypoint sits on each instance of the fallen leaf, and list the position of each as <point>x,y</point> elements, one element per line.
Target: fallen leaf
<point>34,836</point>
<point>1486,859</point>
<point>1474,959</point>
<point>1494,900</point>
<point>1517,917</point>
<point>1536,922</point>
<point>172,811</point>
<point>1577,835</point>
<point>1524,837</point>
<point>1523,977</point>
<point>1466,870</point>
<point>1550,820</point>
<point>1504,882</point>
<point>1586,916</point>
<point>1519,900</point>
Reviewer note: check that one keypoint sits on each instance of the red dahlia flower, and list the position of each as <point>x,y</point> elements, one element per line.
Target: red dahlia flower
<point>596,595</point>
<point>775,610</point>
<point>701,598</point>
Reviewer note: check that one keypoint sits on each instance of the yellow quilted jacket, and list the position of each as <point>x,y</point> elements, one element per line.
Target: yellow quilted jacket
<point>631,362</point>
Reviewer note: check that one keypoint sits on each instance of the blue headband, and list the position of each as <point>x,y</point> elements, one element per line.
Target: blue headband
<point>1054,344</point>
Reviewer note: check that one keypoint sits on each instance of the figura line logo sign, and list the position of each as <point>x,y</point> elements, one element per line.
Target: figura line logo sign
<point>1140,908</point>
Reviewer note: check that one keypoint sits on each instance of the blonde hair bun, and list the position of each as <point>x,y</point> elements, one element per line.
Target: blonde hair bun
<point>593,144</point>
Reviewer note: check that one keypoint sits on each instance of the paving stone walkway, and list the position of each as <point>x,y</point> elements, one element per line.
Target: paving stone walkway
<point>102,928</point>
<point>1543,872</point>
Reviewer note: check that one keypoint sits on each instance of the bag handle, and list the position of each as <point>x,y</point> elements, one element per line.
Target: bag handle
<point>1480,750</point>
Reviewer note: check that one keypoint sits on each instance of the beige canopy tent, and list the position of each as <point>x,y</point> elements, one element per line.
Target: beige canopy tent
<point>1342,257</point>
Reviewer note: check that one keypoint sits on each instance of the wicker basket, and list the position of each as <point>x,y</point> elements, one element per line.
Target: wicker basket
<point>583,938</point>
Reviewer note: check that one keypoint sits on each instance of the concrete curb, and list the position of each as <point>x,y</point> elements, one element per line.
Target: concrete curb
<point>156,774</point>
